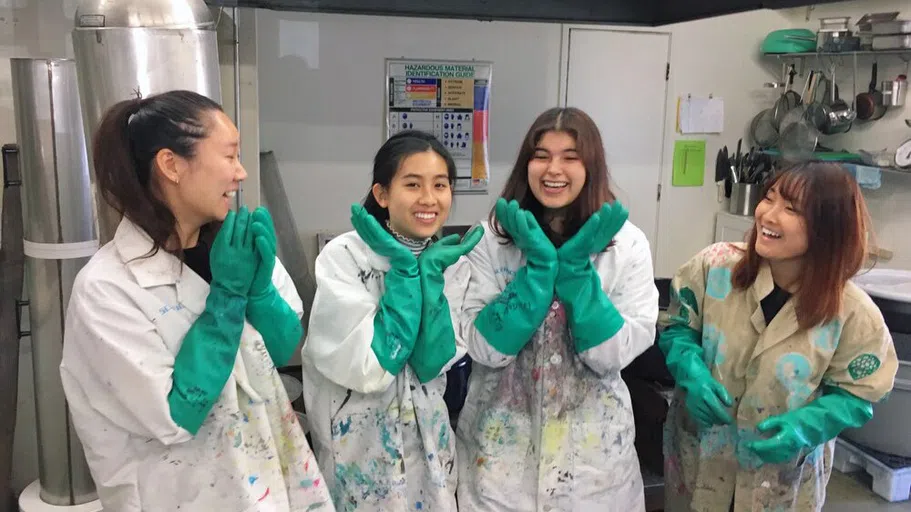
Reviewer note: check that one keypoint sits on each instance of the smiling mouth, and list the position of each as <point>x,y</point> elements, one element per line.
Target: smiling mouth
<point>231,194</point>
<point>771,234</point>
<point>555,185</point>
<point>426,217</point>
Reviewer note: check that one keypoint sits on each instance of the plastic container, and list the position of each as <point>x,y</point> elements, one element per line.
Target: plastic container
<point>887,432</point>
<point>793,40</point>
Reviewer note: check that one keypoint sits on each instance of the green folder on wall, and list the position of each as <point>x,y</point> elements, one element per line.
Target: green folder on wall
<point>689,163</point>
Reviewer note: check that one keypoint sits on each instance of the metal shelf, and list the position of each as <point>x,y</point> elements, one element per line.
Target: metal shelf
<point>899,52</point>
<point>827,157</point>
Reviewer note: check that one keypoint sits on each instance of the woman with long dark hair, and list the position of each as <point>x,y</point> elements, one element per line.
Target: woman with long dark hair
<point>774,351</point>
<point>561,299</point>
<point>381,337</point>
<point>175,327</point>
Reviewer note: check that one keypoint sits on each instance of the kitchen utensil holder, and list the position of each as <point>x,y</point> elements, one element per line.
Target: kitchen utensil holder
<point>744,198</point>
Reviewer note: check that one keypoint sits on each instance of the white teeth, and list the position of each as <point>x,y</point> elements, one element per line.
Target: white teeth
<point>425,216</point>
<point>555,184</point>
<point>230,194</point>
<point>770,233</point>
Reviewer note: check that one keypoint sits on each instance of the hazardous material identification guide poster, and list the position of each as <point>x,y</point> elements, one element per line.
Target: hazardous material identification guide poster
<point>451,100</point>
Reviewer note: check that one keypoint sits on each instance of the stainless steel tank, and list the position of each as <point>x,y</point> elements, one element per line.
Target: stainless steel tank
<point>59,237</point>
<point>126,48</point>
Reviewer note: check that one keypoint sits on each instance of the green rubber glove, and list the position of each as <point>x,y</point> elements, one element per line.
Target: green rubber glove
<point>706,398</point>
<point>436,343</point>
<point>267,311</point>
<point>592,316</point>
<point>206,356</point>
<point>803,429</point>
<point>398,317</point>
<point>510,320</point>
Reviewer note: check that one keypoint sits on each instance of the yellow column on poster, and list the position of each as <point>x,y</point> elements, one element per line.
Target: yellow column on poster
<point>689,163</point>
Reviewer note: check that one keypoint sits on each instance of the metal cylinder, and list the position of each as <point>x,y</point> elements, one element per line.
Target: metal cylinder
<point>59,237</point>
<point>126,48</point>
<point>744,198</point>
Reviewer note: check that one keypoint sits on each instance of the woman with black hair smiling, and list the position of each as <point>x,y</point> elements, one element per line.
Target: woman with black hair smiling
<point>175,327</point>
<point>381,337</point>
<point>561,298</point>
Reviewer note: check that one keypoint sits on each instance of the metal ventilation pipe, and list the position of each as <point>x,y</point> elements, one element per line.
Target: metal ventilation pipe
<point>126,48</point>
<point>59,237</point>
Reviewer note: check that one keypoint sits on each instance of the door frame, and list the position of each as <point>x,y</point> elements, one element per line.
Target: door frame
<point>563,90</point>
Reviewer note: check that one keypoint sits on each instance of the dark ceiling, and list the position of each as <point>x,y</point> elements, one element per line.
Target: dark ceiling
<point>624,12</point>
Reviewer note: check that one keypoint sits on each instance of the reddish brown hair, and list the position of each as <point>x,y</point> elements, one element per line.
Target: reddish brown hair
<point>836,219</point>
<point>596,190</point>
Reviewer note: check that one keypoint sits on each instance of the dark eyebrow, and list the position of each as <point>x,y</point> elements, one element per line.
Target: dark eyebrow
<point>567,150</point>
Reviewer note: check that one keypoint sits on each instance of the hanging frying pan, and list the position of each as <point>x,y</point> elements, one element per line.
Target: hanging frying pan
<point>869,105</point>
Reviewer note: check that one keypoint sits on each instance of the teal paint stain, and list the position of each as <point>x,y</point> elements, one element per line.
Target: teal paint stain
<point>714,440</point>
<point>388,443</point>
<point>746,457</point>
<point>253,479</point>
<point>827,336</point>
<point>688,298</point>
<point>793,371</point>
<point>713,345</point>
<point>344,427</point>
<point>354,483</point>
<point>718,283</point>
<point>443,438</point>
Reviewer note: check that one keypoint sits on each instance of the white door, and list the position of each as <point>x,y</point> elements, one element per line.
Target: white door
<point>619,79</point>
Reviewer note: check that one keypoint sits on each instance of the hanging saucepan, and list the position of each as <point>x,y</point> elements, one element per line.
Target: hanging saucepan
<point>869,104</point>
<point>817,113</point>
<point>841,116</point>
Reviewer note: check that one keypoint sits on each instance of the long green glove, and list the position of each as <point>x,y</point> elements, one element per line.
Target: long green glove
<point>706,398</point>
<point>592,316</point>
<point>396,324</point>
<point>511,319</point>
<point>436,344</point>
<point>206,356</point>
<point>803,429</point>
<point>267,311</point>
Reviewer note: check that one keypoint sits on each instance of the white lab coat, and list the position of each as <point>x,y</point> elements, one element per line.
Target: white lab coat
<point>383,441</point>
<point>550,429</point>
<point>125,323</point>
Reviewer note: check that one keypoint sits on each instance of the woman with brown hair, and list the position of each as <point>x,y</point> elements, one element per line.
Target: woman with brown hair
<point>561,298</point>
<point>774,351</point>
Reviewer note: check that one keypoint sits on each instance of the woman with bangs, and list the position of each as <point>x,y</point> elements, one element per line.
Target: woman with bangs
<point>774,350</point>
<point>561,298</point>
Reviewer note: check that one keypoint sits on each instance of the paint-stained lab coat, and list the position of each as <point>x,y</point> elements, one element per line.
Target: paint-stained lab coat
<point>126,320</point>
<point>383,441</point>
<point>768,370</point>
<point>550,429</point>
